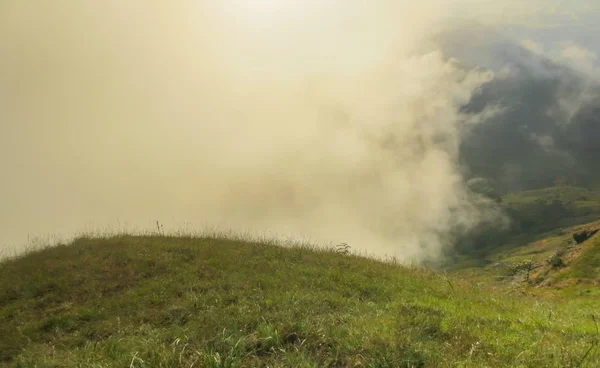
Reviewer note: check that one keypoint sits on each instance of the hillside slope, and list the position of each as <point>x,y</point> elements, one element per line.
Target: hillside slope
<point>539,247</point>
<point>554,259</point>
<point>187,302</point>
<point>552,207</point>
<point>532,215</point>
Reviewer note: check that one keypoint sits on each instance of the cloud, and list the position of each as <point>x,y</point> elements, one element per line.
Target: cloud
<point>533,46</point>
<point>577,89</point>
<point>548,93</point>
<point>579,58</point>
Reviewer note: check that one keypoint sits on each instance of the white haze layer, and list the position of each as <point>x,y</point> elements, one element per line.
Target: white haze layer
<point>332,120</point>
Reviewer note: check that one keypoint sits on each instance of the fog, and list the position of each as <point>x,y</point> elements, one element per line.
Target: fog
<point>337,121</point>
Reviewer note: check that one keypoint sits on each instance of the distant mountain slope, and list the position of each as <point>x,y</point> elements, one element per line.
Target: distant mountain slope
<point>531,216</point>
<point>546,123</point>
<point>553,207</point>
<point>564,256</point>
<point>158,301</point>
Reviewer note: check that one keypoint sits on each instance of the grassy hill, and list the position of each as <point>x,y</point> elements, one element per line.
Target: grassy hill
<point>155,301</point>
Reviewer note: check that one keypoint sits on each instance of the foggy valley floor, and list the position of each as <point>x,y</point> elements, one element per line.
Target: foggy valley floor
<point>160,301</point>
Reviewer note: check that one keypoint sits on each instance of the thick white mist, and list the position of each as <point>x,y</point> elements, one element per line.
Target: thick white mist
<point>322,121</point>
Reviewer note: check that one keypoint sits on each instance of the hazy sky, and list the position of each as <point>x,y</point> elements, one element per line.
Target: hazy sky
<point>333,120</point>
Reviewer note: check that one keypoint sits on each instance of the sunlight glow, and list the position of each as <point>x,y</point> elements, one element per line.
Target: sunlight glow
<point>263,8</point>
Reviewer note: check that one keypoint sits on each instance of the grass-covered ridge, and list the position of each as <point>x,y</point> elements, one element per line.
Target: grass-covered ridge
<point>154,301</point>
<point>539,247</point>
<point>548,208</point>
<point>531,215</point>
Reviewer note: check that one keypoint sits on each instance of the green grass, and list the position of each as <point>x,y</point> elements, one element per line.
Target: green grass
<point>586,267</point>
<point>154,301</point>
<point>580,269</point>
<point>533,215</point>
<point>541,210</point>
<point>564,194</point>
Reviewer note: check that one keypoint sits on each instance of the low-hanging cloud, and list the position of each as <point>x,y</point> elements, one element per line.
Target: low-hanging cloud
<point>548,94</point>
<point>339,122</point>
